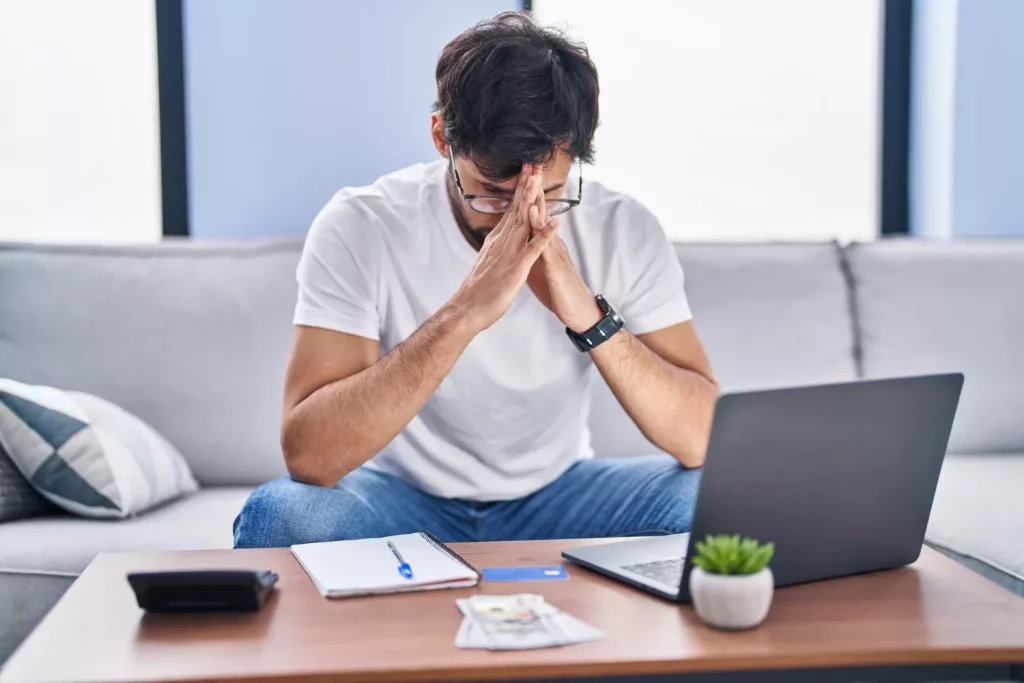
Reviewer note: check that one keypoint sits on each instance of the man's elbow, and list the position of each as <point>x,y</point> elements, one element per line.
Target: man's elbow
<point>689,448</point>
<point>692,447</point>
<point>691,456</point>
<point>300,460</point>
<point>307,475</point>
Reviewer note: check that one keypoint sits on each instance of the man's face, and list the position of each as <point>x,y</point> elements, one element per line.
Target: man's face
<point>556,175</point>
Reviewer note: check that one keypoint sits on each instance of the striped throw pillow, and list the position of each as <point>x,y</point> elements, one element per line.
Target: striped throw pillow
<point>87,455</point>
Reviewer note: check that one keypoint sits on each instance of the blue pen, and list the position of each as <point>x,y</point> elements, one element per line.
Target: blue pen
<point>403,567</point>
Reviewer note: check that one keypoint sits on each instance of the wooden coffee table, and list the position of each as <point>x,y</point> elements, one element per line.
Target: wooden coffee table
<point>932,621</point>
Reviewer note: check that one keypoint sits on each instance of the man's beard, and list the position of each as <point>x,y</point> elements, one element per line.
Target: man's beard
<point>475,236</point>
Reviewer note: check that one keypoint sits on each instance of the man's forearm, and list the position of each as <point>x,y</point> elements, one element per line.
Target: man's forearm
<point>672,406</point>
<point>342,425</point>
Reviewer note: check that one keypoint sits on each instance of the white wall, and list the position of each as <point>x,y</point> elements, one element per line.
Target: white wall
<point>79,125</point>
<point>738,119</point>
<point>967,140</point>
<point>988,158</point>
<point>290,101</point>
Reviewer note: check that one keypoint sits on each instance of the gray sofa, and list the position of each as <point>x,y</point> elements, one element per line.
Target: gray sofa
<point>193,338</point>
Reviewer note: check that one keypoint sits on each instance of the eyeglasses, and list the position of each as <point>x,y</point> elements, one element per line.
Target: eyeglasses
<point>485,204</point>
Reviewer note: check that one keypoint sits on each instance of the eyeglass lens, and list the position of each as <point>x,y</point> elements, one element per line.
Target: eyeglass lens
<point>499,205</point>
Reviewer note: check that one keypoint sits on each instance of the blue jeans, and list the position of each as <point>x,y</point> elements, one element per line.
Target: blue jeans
<point>594,498</point>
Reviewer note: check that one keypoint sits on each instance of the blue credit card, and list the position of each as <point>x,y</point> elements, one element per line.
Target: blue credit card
<point>553,573</point>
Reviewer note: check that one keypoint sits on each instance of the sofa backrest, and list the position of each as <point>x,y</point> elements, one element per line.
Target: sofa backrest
<point>194,337</point>
<point>190,337</point>
<point>949,306</point>
<point>770,315</point>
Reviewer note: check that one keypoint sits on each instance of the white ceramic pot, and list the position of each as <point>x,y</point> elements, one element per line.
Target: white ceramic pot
<point>732,602</point>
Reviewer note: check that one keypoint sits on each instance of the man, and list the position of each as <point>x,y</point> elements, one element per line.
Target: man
<point>448,330</point>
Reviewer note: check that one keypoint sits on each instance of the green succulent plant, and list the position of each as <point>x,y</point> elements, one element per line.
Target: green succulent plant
<point>725,554</point>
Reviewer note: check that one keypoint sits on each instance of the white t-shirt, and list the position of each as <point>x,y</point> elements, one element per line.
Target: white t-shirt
<point>512,414</point>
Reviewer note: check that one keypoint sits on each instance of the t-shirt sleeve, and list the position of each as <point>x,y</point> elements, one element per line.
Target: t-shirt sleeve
<point>655,296</point>
<point>339,271</point>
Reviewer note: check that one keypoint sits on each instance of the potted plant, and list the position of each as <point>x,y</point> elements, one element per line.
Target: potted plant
<point>731,584</point>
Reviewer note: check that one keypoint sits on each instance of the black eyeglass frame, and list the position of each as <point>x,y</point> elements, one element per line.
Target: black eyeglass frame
<point>470,198</point>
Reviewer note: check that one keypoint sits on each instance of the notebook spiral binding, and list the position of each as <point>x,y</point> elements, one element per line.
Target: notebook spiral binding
<point>440,546</point>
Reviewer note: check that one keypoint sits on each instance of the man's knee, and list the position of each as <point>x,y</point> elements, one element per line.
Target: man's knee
<point>681,491</point>
<point>675,498</point>
<point>285,512</point>
<point>268,518</point>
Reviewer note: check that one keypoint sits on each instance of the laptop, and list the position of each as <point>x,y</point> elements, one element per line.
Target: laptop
<point>840,477</point>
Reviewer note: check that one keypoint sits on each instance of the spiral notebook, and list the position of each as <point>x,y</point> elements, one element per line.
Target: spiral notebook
<point>342,569</point>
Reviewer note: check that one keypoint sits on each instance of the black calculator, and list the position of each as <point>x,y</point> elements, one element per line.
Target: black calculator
<point>203,590</point>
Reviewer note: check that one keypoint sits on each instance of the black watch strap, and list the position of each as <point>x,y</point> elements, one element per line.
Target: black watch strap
<point>605,328</point>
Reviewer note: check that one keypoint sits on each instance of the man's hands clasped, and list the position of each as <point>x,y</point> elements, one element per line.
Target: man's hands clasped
<point>524,248</point>
<point>554,279</point>
<point>508,254</point>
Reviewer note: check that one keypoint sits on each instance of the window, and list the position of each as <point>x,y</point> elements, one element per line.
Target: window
<point>738,119</point>
<point>79,127</point>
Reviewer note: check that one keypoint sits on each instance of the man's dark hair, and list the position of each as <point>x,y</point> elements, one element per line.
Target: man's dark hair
<point>511,92</point>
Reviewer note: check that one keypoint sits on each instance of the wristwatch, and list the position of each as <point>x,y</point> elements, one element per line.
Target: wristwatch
<point>604,330</point>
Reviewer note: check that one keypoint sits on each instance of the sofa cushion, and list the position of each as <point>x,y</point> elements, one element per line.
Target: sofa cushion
<point>956,306</point>
<point>1007,581</point>
<point>770,315</point>
<point>66,544</point>
<point>192,338</point>
<point>26,598</point>
<point>979,509</point>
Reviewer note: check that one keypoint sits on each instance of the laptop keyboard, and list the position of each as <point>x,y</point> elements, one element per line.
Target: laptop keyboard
<point>667,572</point>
